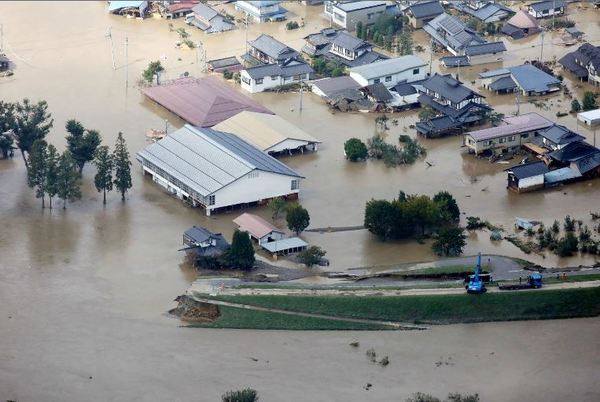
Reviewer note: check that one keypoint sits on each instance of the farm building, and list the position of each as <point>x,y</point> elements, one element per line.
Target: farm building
<point>216,171</point>
<point>270,133</point>
<point>258,228</point>
<point>202,102</point>
<point>521,25</point>
<point>591,118</point>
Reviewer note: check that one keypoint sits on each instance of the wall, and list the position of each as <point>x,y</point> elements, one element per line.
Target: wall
<point>268,82</point>
<point>287,144</point>
<point>406,75</point>
<point>249,189</point>
<point>366,16</point>
<point>486,58</point>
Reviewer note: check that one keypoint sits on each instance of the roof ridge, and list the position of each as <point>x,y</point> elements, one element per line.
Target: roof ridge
<point>199,131</point>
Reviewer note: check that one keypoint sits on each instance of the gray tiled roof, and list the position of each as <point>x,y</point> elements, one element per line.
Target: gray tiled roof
<point>349,42</point>
<point>204,11</point>
<point>503,84</point>
<point>272,47</point>
<point>547,5</point>
<point>531,78</point>
<point>207,160</point>
<point>288,69</point>
<point>529,169</point>
<point>448,87</point>
<point>560,135</point>
<point>485,48</point>
<point>424,9</point>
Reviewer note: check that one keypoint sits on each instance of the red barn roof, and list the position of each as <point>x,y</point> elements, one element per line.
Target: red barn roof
<point>202,102</point>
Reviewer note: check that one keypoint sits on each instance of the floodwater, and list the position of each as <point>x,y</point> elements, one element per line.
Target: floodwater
<point>82,291</point>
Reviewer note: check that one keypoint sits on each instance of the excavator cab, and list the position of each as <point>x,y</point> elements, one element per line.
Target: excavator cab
<point>476,285</point>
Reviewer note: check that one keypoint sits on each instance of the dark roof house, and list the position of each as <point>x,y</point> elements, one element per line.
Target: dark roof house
<point>208,20</point>
<point>547,8</point>
<point>453,34</point>
<point>521,25</point>
<point>201,242</point>
<point>268,50</point>
<point>584,63</point>
<point>341,47</point>
<point>556,137</point>
<point>486,11</point>
<point>421,12</point>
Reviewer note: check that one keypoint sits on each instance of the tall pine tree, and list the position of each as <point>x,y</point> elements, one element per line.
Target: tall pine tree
<point>37,174</point>
<point>122,166</point>
<point>52,173</point>
<point>68,179</point>
<point>104,171</point>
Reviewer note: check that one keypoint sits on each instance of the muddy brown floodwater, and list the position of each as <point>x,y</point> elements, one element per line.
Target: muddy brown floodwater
<point>83,291</point>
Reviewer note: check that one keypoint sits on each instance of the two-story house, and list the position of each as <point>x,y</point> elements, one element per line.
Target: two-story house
<point>208,20</point>
<point>584,63</point>
<point>547,8</point>
<point>200,242</point>
<point>421,12</point>
<point>347,14</point>
<point>267,50</point>
<point>484,10</point>
<point>391,72</point>
<point>454,105</point>
<point>453,34</point>
<point>340,46</point>
<point>262,10</point>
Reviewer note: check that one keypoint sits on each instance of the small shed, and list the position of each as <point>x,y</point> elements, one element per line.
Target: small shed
<point>527,177</point>
<point>285,246</point>
<point>258,228</point>
<point>591,118</point>
<point>227,63</point>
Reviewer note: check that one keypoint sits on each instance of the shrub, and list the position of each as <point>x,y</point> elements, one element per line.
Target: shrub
<point>291,25</point>
<point>227,74</point>
<point>355,150</point>
<point>241,253</point>
<point>244,395</point>
<point>567,245</point>
<point>449,242</point>
<point>575,106</point>
<point>312,256</point>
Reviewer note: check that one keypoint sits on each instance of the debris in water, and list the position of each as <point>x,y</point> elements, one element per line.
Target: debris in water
<point>368,386</point>
<point>372,355</point>
<point>385,361</point>
<point>355,344</point>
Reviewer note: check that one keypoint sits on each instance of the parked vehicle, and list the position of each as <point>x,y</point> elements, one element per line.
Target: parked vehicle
<point>533,281</point>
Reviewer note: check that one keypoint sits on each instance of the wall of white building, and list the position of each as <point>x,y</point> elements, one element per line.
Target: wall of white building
<point>288,144</point>
<point>249,84</point>
<point>390,80</point>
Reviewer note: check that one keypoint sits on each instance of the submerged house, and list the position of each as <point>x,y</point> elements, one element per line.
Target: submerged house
<point>484,10</point>
<point>128,7</point>
<point>455,106</point>
<point>521,25</point>
<point>341,47</point>
<point>482,53</point>
<point>421,12</point>
<point>526,78</point>
<point>527,177</point>
<point>269,132</point>
<point>258,228</point>
<point>347,14</point>
<point>4,62</point>
<point>268,76</point>
<point>201,242</point>
<point>452,33</point>
<point>208,20</point>
<point>390,72</point>
<point>216,171</point>
<point>262,10</point>
<point>509,136</point>
<point>547,8</point>
<point>267,50</point>
<point>584,63</point>
<point>177,10</point>
<point>557,137</point>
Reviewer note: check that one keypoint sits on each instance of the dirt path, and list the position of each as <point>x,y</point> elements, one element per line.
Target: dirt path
<point>392,324</point>
<point>381,292</point>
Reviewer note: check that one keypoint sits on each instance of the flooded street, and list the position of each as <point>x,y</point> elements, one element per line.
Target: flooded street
<point>83,291</point>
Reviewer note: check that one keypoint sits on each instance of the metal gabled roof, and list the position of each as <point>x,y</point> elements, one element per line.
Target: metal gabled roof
<point>207,160</point>
<point>388,67</point>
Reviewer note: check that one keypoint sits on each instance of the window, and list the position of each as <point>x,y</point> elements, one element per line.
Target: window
<point>415,71</point>
<point>502,140</point>
<point>370,16</point>
<point>274,77</point>
<point>245,80</point>
<point>490,143</point>
<point>211,200</point>
<point>388,78</point>
<point>524,135</point>
<point>286,78</point>
<point>376,80</point>
<point>295,184</point>
<point>511,138</point>
<point>298,77</point>
<point>259,81</point>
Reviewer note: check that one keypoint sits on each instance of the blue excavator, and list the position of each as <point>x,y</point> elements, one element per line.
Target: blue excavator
<point>476,285</point>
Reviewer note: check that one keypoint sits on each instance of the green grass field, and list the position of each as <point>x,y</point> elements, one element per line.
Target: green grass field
<point>435,271</point>
<point>441,309</point>
<point>238,318</point>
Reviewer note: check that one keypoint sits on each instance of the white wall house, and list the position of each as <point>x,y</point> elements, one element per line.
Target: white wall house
<point>348,14</point>
<point>261,78</point>
<point>547,8</point>
<point>262,10</point>
<point>216,170</point>
<point>390,72</point>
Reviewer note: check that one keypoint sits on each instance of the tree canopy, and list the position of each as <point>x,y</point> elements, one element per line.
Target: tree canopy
<point>68,185</point>
<point>355,150</point>
<point>153,68</point>
<point>81,142</point>
<point>37,174</point>
<point>241,253</point>
<point>31,122</point>
<point>122,166</point>
<point>312,256</point>
<point>449,241</point>
<point>103,180</point>
<point>589,101</point>
<point>297,218</point>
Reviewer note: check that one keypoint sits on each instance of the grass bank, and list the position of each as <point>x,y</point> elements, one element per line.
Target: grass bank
<point>239,318</point>
<point>441,309</point>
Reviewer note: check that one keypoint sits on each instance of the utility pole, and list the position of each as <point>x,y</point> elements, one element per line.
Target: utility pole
<point>542,48</point>
<point>518,102</point>
<point>246,41</point>
<point>300,105</point>
<point>553,12</point>
<point>126,62</point>
<point>112,48</point>
<point>458,73</point>
<point>431,56</point>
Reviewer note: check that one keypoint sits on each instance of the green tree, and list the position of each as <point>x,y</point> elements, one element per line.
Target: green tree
<point>31,122</point>
<point>589,101</point>
<point>359,29</point>
<point>379,218</point>
<point>277,206</point>
<point>424,212</point>
<point>122,166</point>
<point>67,183</point>
<point>312,256</point>
<point>567,245</point>
<point>6,124</point>
<point>244,395</point>
<point>52,173</point>
<point>405,42</point>
<point>241,253</point>
<point>447,205</point>
<point>421,397</point>
<point>37,175</point>
<point>355,150</point>
<point>297,218</point>
<point>575,106</point>
<point>103,180</point>
<point>153,68</point>
<point>81,143</point>
<point>6,144</point>
<point>449,241</point>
